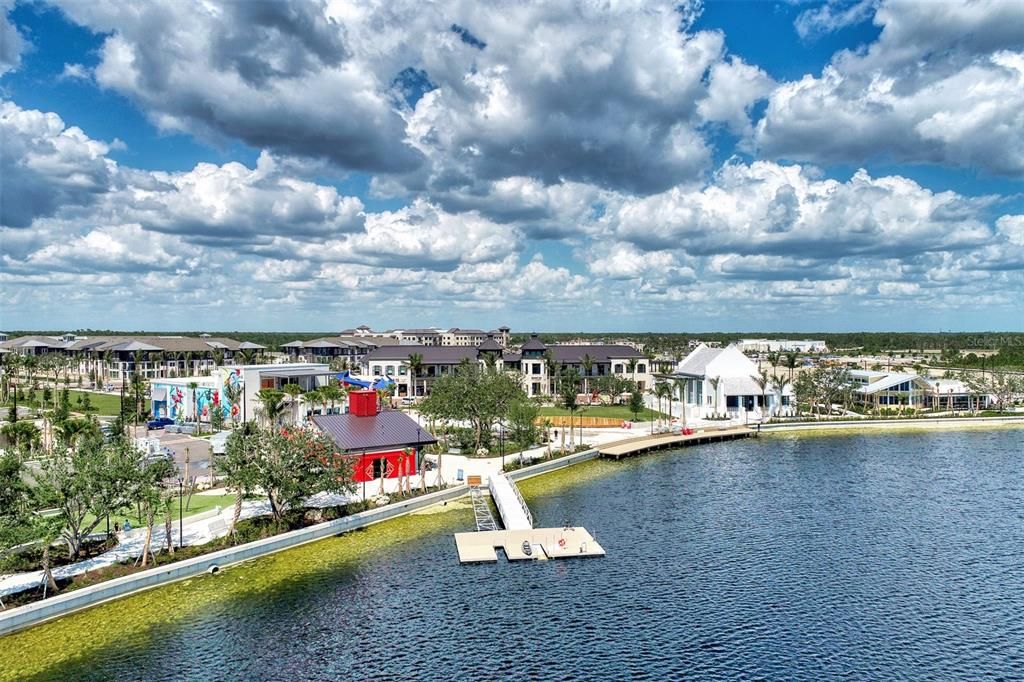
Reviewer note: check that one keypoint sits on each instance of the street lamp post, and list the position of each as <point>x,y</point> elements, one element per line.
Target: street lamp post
<point>501,443</point>
<point>181,513</point>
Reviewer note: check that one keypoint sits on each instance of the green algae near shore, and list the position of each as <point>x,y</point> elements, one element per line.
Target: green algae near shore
<point>136,621</point>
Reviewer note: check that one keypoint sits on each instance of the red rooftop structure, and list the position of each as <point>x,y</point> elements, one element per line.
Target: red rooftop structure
<point>375,439</point>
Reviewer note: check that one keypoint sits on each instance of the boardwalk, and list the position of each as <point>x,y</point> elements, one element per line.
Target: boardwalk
<point>636,446</point>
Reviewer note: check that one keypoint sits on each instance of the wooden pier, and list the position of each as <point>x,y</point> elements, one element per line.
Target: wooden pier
<point>660,441</point>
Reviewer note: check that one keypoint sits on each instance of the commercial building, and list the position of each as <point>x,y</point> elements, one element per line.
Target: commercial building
<point>720,382</point>
<point>879,389</point>
<point>538,363</point>
<point>783,346</point>
<point>381,444</point>
<point>432,336</point>
<point>116,358</point>
<point>234,390</point>
<point>350,349</point>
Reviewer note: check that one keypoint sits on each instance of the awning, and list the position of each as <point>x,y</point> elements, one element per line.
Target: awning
<point>158,394</point>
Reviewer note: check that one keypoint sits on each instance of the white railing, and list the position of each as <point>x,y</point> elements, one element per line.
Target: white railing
<point>522,502</point>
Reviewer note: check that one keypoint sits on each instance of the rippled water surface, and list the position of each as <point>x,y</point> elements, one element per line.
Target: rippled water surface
<point>869,557</point>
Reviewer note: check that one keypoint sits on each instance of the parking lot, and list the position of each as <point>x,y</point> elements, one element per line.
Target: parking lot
<point>198,450</point>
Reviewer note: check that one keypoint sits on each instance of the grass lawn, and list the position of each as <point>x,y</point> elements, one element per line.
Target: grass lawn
<point>104,404</point>
<point>200,503</point>
<point>609,411</point>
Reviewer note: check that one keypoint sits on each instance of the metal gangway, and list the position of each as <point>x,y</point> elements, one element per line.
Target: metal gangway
<point>515,515</point>
<point>482,510</point>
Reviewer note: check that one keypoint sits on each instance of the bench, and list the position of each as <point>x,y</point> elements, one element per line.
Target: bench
<point>474,480</point>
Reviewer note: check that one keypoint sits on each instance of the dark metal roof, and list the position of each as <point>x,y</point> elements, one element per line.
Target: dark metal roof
<point>534,344</point>
<point>388,429</point>
<point>599,353</point>
<point>432,355</point>
<point>490,345</point>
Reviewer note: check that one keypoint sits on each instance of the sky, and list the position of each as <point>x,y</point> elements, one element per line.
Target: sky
<point>559,166</point>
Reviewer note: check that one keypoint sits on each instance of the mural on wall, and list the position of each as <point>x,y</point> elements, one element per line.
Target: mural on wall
<point>232,386</point>
<point>176,407</point>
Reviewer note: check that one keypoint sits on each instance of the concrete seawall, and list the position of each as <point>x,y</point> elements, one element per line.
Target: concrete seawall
<point>550,465</point>
<point>33,614</point>
<point>882,424</point>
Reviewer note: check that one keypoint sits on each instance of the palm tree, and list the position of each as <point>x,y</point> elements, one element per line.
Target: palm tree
<point>763,381</point>
<point>271,404</point>
<point>791,359</point>
<point>293,391</point>
<point>587,363</point>
<point>780,385</point>
<point>664,391</point>
<point>773,359</point>
<point>314,397</point>
<point>715,381</point>
<point>681,385</point>
<point>551,365</point>
<point>331,394</point>
<point>189,358</point>
<point>415,367</point>
<point>193,388</point>
<point>631,366</point>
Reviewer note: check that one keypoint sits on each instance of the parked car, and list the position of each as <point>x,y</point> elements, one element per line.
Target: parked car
<point>159,422</point>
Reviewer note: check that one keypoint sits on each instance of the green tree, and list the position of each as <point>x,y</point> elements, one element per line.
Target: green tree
<point>15,503</point>
<point>763,382</point>
<point>332,395</point>
<point>216,417</point>
<point>715,383</point>
<point>288,465</point>
<point>23,436</point>
<point>570,386</point>
<point>293,391</point>
<point>521,421</point>
<point>193,388</point>
<point>415,363</point>
<point>70,431</point>
<point>472,395</point>
<point>147,493</point>
<point>88,481</point>
<point>663,391</point>
<point>238,466</point>
<point>587,363</point>
<point>636,403</point>
<point>791,363</point>
<point>271,405</point>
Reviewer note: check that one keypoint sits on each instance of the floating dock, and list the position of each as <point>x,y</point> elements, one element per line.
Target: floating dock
<point>545,543</point>
<point>519,540</point>
<point>660,441</point>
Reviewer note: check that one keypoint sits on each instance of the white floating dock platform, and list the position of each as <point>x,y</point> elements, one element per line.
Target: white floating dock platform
<point>545,543</point>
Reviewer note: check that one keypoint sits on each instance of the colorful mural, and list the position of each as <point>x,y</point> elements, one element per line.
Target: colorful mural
<point>232,384</point>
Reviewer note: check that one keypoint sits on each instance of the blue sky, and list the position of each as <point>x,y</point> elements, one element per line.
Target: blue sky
<point>646,166</point>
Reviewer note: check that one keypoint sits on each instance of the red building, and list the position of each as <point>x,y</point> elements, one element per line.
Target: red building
<point>376,440</point>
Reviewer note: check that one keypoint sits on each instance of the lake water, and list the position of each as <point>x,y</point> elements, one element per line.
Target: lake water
<point>868,557</point>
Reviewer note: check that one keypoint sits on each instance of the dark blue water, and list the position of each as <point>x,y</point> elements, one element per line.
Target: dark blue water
<point>886,556</point>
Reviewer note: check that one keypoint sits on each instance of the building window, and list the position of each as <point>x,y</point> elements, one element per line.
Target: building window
<point>536,368</point>
<point>376,370</point>
<point>642,369</point>
<point>402,370</point>
<point>618,369</point>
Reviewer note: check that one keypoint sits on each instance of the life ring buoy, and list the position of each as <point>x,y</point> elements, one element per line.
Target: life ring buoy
<point>561,542</point>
